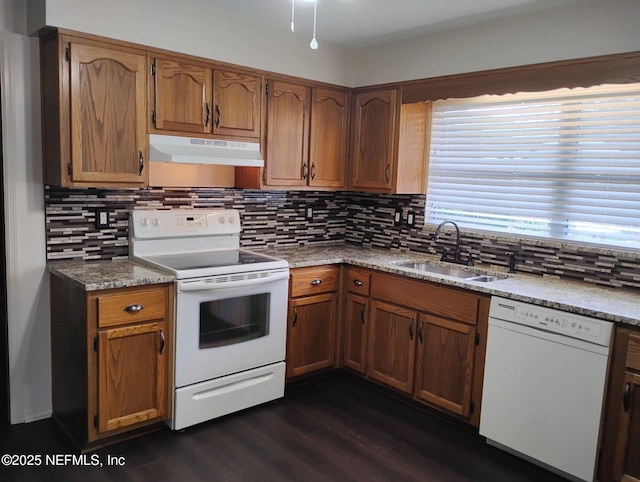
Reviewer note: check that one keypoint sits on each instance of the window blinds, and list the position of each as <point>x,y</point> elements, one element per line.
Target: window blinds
<point>562,164</point>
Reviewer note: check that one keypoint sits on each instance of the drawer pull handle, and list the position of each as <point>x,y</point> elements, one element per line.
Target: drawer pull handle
<point>161,341</point>
<point>357,282</point>
<point>134,308</point>
<point>316,282</point>
<point>625,396</point>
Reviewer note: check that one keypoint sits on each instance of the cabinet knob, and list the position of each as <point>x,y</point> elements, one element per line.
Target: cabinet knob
<point>316,282</point>
<point>357,282</point>
<point>134,308</point>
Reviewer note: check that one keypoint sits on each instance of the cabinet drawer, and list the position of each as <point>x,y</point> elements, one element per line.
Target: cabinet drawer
<point>131,307</point>
<point>633,352</point>
<point>358,281</point>
<point>310,281</point>
<point>424,296</point>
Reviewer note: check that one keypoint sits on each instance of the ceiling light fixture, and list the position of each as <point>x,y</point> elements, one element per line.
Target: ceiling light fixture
<point>314,42</point>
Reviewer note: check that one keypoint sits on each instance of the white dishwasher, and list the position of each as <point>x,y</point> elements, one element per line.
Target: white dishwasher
<point>544,385</point>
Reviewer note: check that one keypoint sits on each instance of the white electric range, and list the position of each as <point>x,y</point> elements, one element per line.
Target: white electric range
<point>230,311</point>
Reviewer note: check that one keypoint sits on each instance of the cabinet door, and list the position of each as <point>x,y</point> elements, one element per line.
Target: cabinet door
<point>182,97</point>
<point>444,372</point>
<point>287,134</point>
<point>373,150</point>
<point>328,142</point>
<point>132,367</point>
<point>392,345</point>
<point>108,115</point>
<point>355,332</point>
<point>311,334</point>
<point>236,110</point>
<point>627,466</point>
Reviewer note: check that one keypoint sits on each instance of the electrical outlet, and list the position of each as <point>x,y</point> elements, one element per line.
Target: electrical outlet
<point>411,218</point>
<point>397,217</point>
<point>308,213</point>
<point>102,219</point>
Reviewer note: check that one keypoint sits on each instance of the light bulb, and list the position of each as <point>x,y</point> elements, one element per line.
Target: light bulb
<point>314,43</point>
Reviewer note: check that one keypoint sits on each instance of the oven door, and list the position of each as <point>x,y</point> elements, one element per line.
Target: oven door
<point>228,324</point>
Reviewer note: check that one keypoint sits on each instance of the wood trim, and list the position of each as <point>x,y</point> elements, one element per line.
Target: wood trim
<point>605,69</point>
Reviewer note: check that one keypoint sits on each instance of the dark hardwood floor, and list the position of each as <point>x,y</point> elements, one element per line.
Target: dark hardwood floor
<point>338,428</point>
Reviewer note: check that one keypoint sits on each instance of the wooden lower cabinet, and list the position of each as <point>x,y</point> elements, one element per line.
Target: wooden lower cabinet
<point>132,382</point>
<point>111,360</point>
<point>355,322</point>
<point>428,340</point>
<point>312,320</point>
<point>444,366</point>
<point>311,344</point>
<point>619,461</point>
<point>392,345</point>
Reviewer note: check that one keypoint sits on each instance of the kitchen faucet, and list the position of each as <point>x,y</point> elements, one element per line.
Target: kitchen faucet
<point>456,254</point>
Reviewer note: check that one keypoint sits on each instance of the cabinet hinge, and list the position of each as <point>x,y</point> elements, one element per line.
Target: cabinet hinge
<point>95,420</point>
<point>153,117</point>
<point>477,339</point>
<point>68,168</point>
<point>472,408</point>
<point>67,54</point>
<point>153,69</point>
<point>95,344</point>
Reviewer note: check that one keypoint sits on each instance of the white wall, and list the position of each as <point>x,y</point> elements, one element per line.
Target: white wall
<point>190,27</point>
<point>27,278</point>
<point>583,30</point>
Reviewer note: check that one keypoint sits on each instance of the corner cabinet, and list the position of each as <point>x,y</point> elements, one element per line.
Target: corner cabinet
<point>312,323</point>
<point>389,143</point>
<point>619,460</point>
<point>194,98</point>
<point>306,136</point>
<point>111,360</point>
<point>94,113</point>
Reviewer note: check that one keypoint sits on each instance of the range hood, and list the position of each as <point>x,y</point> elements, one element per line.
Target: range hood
<point>197,150</point>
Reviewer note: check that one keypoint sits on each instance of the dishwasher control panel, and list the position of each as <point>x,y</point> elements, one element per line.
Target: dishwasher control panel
<point>555,321</point>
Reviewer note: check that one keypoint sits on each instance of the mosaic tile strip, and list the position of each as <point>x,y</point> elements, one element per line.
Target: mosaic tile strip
<point>269,218</point>
<point>276,219</point>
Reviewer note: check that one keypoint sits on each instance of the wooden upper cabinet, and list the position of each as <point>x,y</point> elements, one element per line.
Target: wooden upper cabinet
<point>94,113</point>
<point>389,143</point>
<point>195,98</point>
<point>373,148</point>
<point>182,97</point>
<point>237,100</point>
<point>287,134</point>
<point>329,134</point>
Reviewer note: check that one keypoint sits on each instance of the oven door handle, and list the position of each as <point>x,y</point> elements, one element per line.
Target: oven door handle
<point>205,286</point>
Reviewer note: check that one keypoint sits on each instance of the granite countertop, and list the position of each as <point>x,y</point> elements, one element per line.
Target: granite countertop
<point>619,305</point>
<point>102,275</point>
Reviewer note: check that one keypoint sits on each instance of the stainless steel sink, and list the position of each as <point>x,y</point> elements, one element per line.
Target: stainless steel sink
<point>449,271</point>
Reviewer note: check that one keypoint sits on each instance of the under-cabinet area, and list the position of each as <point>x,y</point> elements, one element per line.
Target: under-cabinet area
<point>112,359</point>
<point>419,338</point>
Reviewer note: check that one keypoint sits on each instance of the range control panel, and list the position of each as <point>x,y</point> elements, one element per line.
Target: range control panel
<point>179,223</point>
<point>548,319</point>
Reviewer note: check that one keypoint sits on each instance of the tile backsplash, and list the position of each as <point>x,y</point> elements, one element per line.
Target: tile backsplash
<point>277,218</point>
